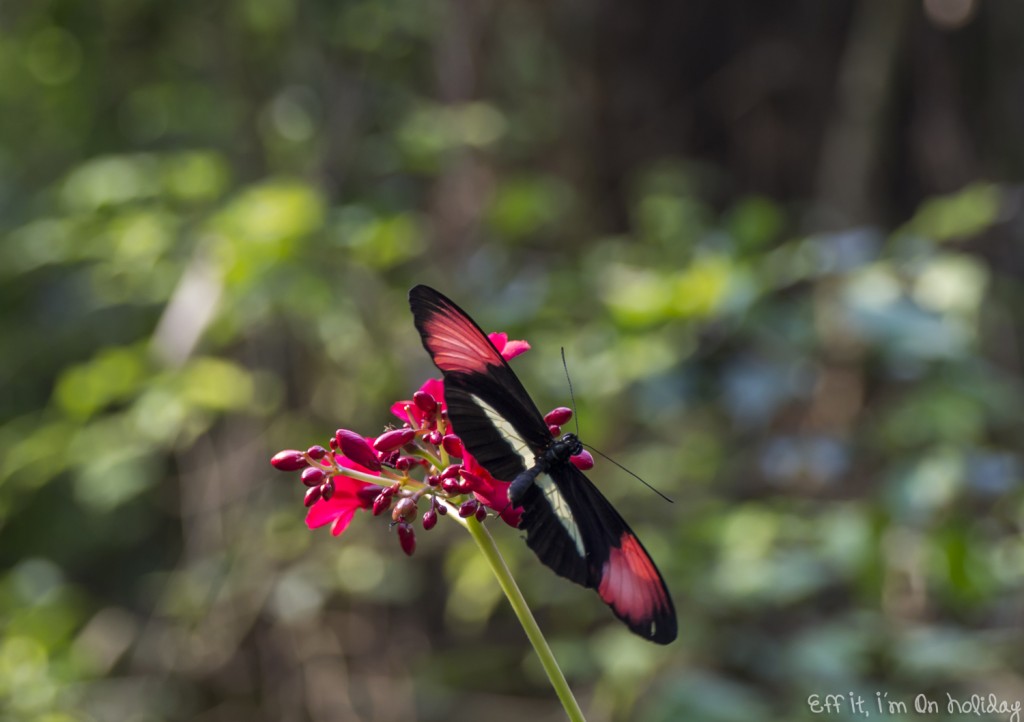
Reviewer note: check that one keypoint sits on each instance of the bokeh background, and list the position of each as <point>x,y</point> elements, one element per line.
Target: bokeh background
<point>781,243</point>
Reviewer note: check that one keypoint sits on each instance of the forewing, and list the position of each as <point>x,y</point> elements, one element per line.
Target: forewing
<point>574,530</point>
<point>489,408</point>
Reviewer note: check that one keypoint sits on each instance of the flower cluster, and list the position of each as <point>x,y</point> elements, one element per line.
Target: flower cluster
<point>420,465</point>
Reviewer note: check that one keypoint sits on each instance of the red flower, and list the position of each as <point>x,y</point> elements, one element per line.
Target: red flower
<point>508,349</point>
<point>349,496</point>
<point>494,493</point>
<point>333,498</point>
<point>409,411</point>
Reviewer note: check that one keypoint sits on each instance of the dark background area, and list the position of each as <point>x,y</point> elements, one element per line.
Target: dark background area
<point>781,244</point>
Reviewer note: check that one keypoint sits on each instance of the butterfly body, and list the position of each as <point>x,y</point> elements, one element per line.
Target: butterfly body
<point>569,524</point>
<point>554,456</point>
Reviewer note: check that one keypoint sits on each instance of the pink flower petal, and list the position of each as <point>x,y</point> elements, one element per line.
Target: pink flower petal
<point>514,348</point>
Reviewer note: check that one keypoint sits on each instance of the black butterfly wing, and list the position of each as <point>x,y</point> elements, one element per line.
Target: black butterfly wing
<point>574,530</point>
<point>488,407</point>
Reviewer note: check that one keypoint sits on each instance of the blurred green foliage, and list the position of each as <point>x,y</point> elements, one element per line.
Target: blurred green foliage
<point>210,217</point>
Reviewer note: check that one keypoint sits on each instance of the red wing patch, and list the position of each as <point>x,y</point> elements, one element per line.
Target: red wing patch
<point>457,344</point>
<point>631,585</point>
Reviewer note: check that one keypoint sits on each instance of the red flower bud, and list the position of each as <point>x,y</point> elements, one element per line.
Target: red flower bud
<point>558,417</point>
<point>334,444</point>
<point>453,445</point>
<point>289,460</point>
<point>481,513</point>
<point>312,496</point>
<point>433,438</point>
<point>327,490</point>
<point>468,508</point>
<point>583,460</point>
<point>450,486</point>
<point>433,479</point>
<point>404,510</point>
<point>429,519</point>
<point>394,439</point>
<point>368,494</point>
<point>442,509</point>
<point>355,447</point>
<point>452,471</point>
<point>316,452</point>
<point>407,538</point>
<point>426,403</point>
<point>404,463</point>
<point>555,430</point>
<point>382,503</point>
<point>312,476</point>
<point>464,486</point>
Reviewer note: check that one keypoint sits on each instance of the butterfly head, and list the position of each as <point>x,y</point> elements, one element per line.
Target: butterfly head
<point>568,445</point>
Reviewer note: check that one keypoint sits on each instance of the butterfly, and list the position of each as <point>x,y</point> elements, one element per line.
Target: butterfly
<point>569,525</point>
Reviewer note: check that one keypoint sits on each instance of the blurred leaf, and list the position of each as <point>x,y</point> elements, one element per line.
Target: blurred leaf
<point>526,205</point>
<point>114,375</point>
<point>638,296</point>
<point>755,222</point>
<point>376,241</point>
<point>195,176</point>
<point>54,56</point>
<point>111,181</point>
<point>216,384</point>
<point>432,130</point>
<point>959,215</point>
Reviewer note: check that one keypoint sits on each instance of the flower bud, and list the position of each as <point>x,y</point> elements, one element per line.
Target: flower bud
<point>426,403</point>
<point>394,439</point>
<point>312,476</point>
<point>368,494</point>
<point>481,512</point>
<point>433,438</point>
<point>327,490</point>
<point>433,479</point>
<point>442,509</point>
<point>583,460</point>
<point>451,472</point>
<point>382,503</point>
<point>407,538</point>
<point>404,510</point>
<point>453,445</point>
<point>555,430</point>
<point>429,519</point>
<point>312,496</point>
<point>289,460</point>
<point>468,508</point>
<point>450,486</point>
<point>316,452</point>
<point>558,417</point>
<point>355,447</point>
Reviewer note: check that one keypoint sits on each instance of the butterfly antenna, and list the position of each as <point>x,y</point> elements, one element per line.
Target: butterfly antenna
<point>572,398</point>
<point>635,476</point>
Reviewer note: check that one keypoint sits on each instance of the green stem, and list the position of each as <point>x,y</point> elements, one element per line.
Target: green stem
<point>508,584</point>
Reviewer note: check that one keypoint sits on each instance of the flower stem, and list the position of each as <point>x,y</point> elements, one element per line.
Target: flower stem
<point>508,584</point>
